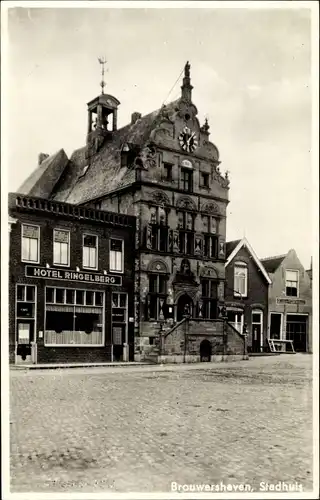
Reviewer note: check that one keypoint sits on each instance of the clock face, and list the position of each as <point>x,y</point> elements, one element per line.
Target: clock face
<point>188,140</point>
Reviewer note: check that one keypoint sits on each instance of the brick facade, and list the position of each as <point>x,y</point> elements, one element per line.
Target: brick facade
<point>256,298</point>
<point>48,220</point>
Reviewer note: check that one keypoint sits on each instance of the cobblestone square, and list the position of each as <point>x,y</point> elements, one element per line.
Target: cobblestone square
<point>141,428</point>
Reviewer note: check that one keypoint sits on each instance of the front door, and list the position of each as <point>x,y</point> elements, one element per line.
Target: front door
<point>256,325</point>
<point>184,306</point>
<point>205,350</point>
<point>25,333</point>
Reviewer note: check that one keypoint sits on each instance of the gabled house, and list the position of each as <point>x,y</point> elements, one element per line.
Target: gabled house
<point>246,293</point>
<point>290,301</point>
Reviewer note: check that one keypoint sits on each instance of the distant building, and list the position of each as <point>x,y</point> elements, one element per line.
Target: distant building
<point>71,283</point>
<point>246,293</point>
<point>290,301</point>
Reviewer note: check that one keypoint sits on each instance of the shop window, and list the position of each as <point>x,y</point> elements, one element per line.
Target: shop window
<point>90,251</point>
<point>61,247</point>
<point>209,294</point>
<point>70,323</point>
<point>292,278</point>
<point>50,295</point>
<point>204,180</point>
<point>30,243</point>
<point>79,297</point>
<point>186,180</point>
<point>240,279</point>
<point>116,255</point>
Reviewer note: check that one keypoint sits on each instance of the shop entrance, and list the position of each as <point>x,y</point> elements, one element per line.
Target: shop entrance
<point>25,336</point>
<point>297,331</point>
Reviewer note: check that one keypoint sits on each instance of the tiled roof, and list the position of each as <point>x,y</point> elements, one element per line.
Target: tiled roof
<point>271,264</point>
<point>105,173</point>
<point>230,246</point>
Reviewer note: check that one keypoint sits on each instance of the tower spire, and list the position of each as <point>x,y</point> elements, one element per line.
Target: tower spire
<point>102,61</point>
<point>186,88</point>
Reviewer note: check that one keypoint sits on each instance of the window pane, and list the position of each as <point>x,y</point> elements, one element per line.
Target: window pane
<point>162,284</point>
<point>123,300</point>
<point>256,318</point>
<point>56,253</point>
<point>92,257</point>
<point>49,294</point>
<point>64,253</point>
<point>61,236</point>
<point>25,249</point>
<point>115,299</point>
<point>153,283</point>
<point>292,275</point>
<point>116,245</point>
<point>30,293</point>
<point>30,231</point>
<point>98,298</point>
<point>60,295</point>
<point>70,296</point>
<point>90,241</point>
<point>86,256</point>
<point>89,298</point>
<point>20,292</point>
<point>79,297</point>
<point>33,250</point>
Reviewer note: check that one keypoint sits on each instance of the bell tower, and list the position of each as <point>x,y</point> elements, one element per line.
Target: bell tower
<point>102,118</point>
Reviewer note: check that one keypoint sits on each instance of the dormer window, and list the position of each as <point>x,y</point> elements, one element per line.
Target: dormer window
<point>124,155</point>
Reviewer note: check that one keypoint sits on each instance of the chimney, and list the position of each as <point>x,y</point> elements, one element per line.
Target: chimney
<point>134,117</point>
<point>42,157</point>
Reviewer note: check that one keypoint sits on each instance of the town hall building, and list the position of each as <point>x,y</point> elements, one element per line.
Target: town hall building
<point>164,170</point>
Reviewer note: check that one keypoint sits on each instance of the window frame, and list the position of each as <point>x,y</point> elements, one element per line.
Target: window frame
<point>69,246</point>
<point>97,251</point>
<point>298,276</point>
<point>38,246</point>
<point>240,265</point>
<point>204,175</point>
<point>74,305</point>
<point>168,167</point>
<point>183,172</point>
<point>122,256</point>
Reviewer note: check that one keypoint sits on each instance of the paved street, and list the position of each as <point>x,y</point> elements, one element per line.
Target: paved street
<point>140,428</point>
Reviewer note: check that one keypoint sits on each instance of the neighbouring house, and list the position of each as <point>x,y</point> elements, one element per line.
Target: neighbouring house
<point>290,301</point>
<point>71,283</point>
<point>163,169</point>
<point>246,293</point>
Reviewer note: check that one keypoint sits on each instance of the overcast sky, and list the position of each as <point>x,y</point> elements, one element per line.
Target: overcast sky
<point>251,75</point>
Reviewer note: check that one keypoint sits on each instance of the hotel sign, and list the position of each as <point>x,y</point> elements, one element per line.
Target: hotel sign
<point>66,275</point>
<point>290,301</point>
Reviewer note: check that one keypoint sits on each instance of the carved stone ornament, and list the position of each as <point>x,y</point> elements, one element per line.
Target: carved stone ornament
<point>210,208</point>
<point>148,157</point>
<point>186,203</point>
<point>208,272</point>
<point>158,266</point>
<point>160,198</point>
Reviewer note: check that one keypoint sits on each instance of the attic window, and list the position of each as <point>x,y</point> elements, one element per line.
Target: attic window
<point>124,155</point>
<point>84,171</point>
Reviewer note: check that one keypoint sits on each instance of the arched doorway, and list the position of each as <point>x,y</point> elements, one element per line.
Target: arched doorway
<point>205,350</point>
<point>184,304</point>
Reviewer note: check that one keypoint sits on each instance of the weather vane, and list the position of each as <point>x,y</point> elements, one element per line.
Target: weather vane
<point>102,61</point>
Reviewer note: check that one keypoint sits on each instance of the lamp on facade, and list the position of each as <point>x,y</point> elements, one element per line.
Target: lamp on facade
<point>78,269</point>
<point>47,265</point>
<point>105,272</point>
